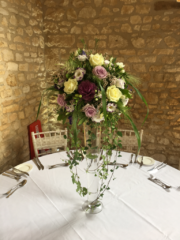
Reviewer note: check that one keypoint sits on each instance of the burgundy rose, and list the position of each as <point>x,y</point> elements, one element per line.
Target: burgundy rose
<point>89,110</point>
<point>100,72</point>
<point>87,90</point>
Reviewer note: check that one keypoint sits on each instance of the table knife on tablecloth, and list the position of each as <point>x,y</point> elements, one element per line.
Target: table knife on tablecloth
<point>36,163</point>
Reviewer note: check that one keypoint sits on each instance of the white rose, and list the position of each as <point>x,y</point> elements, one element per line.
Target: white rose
<point>120,64</point>
<point>123,71</point>
<point>82,58</point>
<point>120,83</point>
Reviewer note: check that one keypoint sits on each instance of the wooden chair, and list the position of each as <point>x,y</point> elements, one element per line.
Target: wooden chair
<point>129,140</point>
<point>49,142</point>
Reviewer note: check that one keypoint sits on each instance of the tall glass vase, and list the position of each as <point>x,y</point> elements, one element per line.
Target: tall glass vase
<point>92,205</point>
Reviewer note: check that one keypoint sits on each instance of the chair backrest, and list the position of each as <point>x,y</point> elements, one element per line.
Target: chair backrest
<point>49,142</point>
<point>129,140</point>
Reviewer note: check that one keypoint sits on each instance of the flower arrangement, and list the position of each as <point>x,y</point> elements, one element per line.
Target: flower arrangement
<point>93,89</point>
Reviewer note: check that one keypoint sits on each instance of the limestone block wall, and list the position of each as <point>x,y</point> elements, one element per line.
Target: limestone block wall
<point>22,76</point>
<point>144,34</point>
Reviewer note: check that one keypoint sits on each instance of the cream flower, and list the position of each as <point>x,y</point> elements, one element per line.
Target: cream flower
<point>98,117</point>
<point>76,53</point>
<point>82,58</point>
<point>120,83</point>
<point>120,64</point>
<point>70,86</point>
<point>124,100</point>
<point>96,60</point>
<point>79,73</point>
<point>106,62</point>
<point>113,93</point>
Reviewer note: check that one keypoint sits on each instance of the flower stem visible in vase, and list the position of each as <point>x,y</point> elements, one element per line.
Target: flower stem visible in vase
<point>92,205</point>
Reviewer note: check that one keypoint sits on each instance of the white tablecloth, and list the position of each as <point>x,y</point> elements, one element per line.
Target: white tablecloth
<point>48,207</point>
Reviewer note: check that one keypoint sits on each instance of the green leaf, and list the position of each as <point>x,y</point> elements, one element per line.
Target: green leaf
<point>142,98</point>
<point>132,123</point>
<point>39,109</point>
<point>91,156</point>
<point>103,100</point>
<point>119,133</point>
<point>52,89</point>
<point>126,93</point>
<point>82,120</point>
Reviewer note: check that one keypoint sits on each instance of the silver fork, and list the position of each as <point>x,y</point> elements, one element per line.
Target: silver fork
<point>21,184</point>
<point>12,189</point>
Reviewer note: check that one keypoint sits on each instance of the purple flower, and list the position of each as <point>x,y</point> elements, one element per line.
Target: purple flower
<point>70,120</point>
<point>61,100</point>
<point>89,110</point>
<point>100,72</point>
<point>87,90</point>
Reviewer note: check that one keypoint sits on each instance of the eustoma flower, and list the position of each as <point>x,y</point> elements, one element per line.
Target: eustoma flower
<point>111,107</point>
<point>69,108</point>
<point>87,90</point>
<point>98,117</point>
<point>124,100</point>
<point>89,110</point>
<point>79,74</point>
<point>120,64</point>
<point>82,58</point>
<point>99,72</point>
<point>120,83</point>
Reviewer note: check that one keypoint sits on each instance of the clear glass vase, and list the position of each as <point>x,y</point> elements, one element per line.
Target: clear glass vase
<point>93,205</point>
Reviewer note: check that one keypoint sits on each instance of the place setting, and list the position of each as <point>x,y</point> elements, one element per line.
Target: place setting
<point>17,173</point>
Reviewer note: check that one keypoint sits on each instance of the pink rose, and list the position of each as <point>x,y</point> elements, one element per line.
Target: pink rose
<point>100,72</point>
<point>89,110</point>
<point>60,100</point>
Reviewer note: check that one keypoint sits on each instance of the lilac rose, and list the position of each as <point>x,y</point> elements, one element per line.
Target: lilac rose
<point>87,90</point>
<point>100,72</point>
<point>89,110</point>
<point>60,100</point>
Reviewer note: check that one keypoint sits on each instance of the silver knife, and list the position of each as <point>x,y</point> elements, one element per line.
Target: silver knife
<point>13,173</point>
<point>36,163</point>
<point>59,165</point>
<point>11,176</point>
<point>42,167</point>
<point>18,170</point>
<point>141,162</point>
<point>118,164</point>
<point>131,158</point>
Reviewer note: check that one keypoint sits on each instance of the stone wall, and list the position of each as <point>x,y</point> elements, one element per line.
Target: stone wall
<point>144,34</point>
<point>22,76</point>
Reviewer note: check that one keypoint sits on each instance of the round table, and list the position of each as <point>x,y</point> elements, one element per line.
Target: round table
<point>48,207</point>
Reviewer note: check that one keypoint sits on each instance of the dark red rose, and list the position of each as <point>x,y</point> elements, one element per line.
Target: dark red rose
<point>87,90</point>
